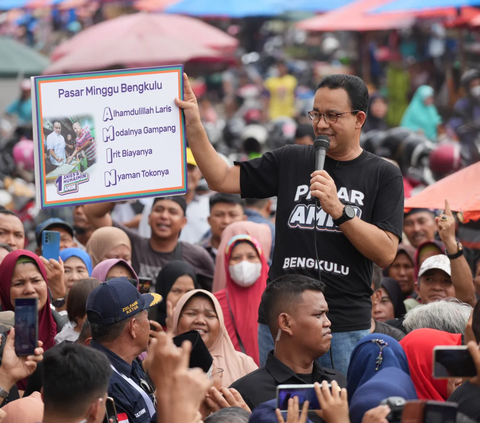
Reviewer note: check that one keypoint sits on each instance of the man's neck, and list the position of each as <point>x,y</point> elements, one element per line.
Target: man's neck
<point>261,212</point>
<point>189,196</point>
<point>165,245</point>
<point>346,156</point>
<point>52,418</point>
<point>215,242</point>
<point>293,358</point>
<point>118,347</point>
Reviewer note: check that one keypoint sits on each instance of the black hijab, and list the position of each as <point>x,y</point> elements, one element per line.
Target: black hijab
<point>166,279</point>
<point>396,296</point>
<point>372,122</point>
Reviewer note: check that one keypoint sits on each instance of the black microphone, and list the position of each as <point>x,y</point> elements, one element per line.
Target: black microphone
<point>322,144</point>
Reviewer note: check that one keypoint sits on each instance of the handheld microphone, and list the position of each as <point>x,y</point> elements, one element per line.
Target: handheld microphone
<point>322,144</point>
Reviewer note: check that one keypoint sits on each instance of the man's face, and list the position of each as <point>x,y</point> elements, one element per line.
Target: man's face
<point>310,325</point>
<point>419,227</point>
<point>166,219</point>
<point>12,231</point>
<point>435,285</point>
<point>193,176</point>
<point>66,239</point>
<point>77,129</point>
<point>403,272</point>
<point>222,214</point>
<point>343,134</point>
<point>142,330</point>
<point>80,219</point>
<point>382,307</point>
<point>57,128</point>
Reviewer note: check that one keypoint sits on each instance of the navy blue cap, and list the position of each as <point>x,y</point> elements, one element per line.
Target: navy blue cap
<point>116,300</point>
<point>54,221</point>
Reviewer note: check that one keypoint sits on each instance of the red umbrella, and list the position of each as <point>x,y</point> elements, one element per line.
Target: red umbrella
<point>132,51</point>
<point>461,189</point>
<point>146,26</point>
<point>354,17</point>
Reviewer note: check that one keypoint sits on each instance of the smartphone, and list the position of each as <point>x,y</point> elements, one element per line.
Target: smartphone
<point>476,322</point>
<point>26,326</point>
<point>51,245</point>
<point>303,392</point>
<point>110,411</point>
<point>440,412</point>
<point>144,285</point>
<point>452,362</point>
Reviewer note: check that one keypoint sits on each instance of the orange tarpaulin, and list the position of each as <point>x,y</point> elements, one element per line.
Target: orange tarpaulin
<point>355,17</point>
<point>461,189</point>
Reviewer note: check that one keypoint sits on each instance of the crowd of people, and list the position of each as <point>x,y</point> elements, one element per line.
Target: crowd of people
<point>267,272</point>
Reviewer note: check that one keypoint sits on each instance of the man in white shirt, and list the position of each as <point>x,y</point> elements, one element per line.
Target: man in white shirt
<point>55,148</point>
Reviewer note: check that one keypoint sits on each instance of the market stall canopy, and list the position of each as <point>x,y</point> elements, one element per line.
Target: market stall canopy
<point>354,17</point>
<point>12,4</point>
<point>18,59</point>
<point>316,6</point>
<point>229,8</point>
<point>151,29</point>
<point>461,189</point>
<point>153,5</point>
<point>134,50</point>
<point>412,5</point>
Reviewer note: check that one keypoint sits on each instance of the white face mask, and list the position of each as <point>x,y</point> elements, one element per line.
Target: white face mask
<point>475,91</point>
<point>245,273</point>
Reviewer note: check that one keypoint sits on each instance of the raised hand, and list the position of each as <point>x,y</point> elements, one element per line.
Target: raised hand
<point>189,105</point>
<point>225,398</point>
<point>293,411</point>
<point>446,228</point>
<point>333,404</point>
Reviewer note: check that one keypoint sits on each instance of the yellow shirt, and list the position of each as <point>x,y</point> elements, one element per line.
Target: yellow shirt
<point>282,96</point>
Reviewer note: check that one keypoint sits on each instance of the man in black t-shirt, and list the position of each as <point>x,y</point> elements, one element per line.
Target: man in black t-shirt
<point>359,220</point>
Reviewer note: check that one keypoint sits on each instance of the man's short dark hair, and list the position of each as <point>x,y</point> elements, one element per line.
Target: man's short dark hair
<point>7,212</point>
<point>107,333</point>
<point>85,333</point>
<point>377,276</point>
<point>6,247</point>
<point>356,89</point>
<point>226,198</point>
<point>305,130</point>
<point>74,376</point>
<point>284,293</point>
<point>229,415</point>
<point>256,202</point>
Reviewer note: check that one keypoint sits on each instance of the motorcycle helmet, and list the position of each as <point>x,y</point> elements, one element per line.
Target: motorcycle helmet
<point>445,159</point>
<point>23,154</point>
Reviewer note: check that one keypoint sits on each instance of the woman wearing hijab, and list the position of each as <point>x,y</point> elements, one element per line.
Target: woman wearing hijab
<point>23,275</point>
<point>373,353</point>
<point>115,268</point>
<point>173,281</point>
<point>199,310</point>
<point>246,275</point>
<point>402,269</point>
<point>389,382</point>
<point>421,114</point>
<point>108,243</point>
<point>418,346</point>
<point>377,111</point>
<point>388,301</point>
<point>260,231</point>
<point>77,265</point>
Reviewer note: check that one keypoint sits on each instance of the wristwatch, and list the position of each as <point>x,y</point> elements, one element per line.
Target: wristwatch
<point>457,254</point>
<point>59,302</point>
<point>3,393</point>
<point>347,214</point>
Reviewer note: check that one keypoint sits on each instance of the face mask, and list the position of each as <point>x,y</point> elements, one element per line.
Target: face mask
<point>475,91</point>
<point>245,273</point>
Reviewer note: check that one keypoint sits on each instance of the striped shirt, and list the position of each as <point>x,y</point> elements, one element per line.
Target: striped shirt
<point>83,139</point>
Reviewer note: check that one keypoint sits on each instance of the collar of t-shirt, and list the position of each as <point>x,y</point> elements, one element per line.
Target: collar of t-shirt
<point>119,363</point>
<point>282,373</point>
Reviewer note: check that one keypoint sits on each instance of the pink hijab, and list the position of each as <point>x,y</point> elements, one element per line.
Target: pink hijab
<point>260,231</point>
<point>235,364</point>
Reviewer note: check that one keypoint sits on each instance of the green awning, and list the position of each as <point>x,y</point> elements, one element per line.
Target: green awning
<point>20,59</point>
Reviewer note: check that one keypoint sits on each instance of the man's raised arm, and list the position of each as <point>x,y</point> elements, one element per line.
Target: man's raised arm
<point>219,176</point>
<point>99,214</point>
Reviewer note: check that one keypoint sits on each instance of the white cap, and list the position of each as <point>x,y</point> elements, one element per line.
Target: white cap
<point>440,261</point>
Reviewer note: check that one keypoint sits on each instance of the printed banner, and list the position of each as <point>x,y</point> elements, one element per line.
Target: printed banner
<point>108,136</point>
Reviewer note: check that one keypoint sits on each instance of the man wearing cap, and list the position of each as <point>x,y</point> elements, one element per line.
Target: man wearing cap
<point>419,226</point>
<point>166,219</point>
<point>118,316</point>
<point>198,208</point>
<point>57,225</point>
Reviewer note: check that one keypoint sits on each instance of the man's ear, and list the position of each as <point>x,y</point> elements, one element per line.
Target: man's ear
<point>284,323</point>
<point>97,410</point>
<point>361,117</point>
<point>416,288</point>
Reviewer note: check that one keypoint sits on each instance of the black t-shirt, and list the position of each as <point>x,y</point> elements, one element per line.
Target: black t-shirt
<point>373,186</point>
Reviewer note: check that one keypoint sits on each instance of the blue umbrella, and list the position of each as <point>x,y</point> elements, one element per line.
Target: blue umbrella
<point>406,5</point>
<point>12,4</point>
<point>316,6</point>
<point>229,8</point>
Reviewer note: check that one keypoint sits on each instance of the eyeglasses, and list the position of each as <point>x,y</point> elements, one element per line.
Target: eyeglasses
<point>331,118</point>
